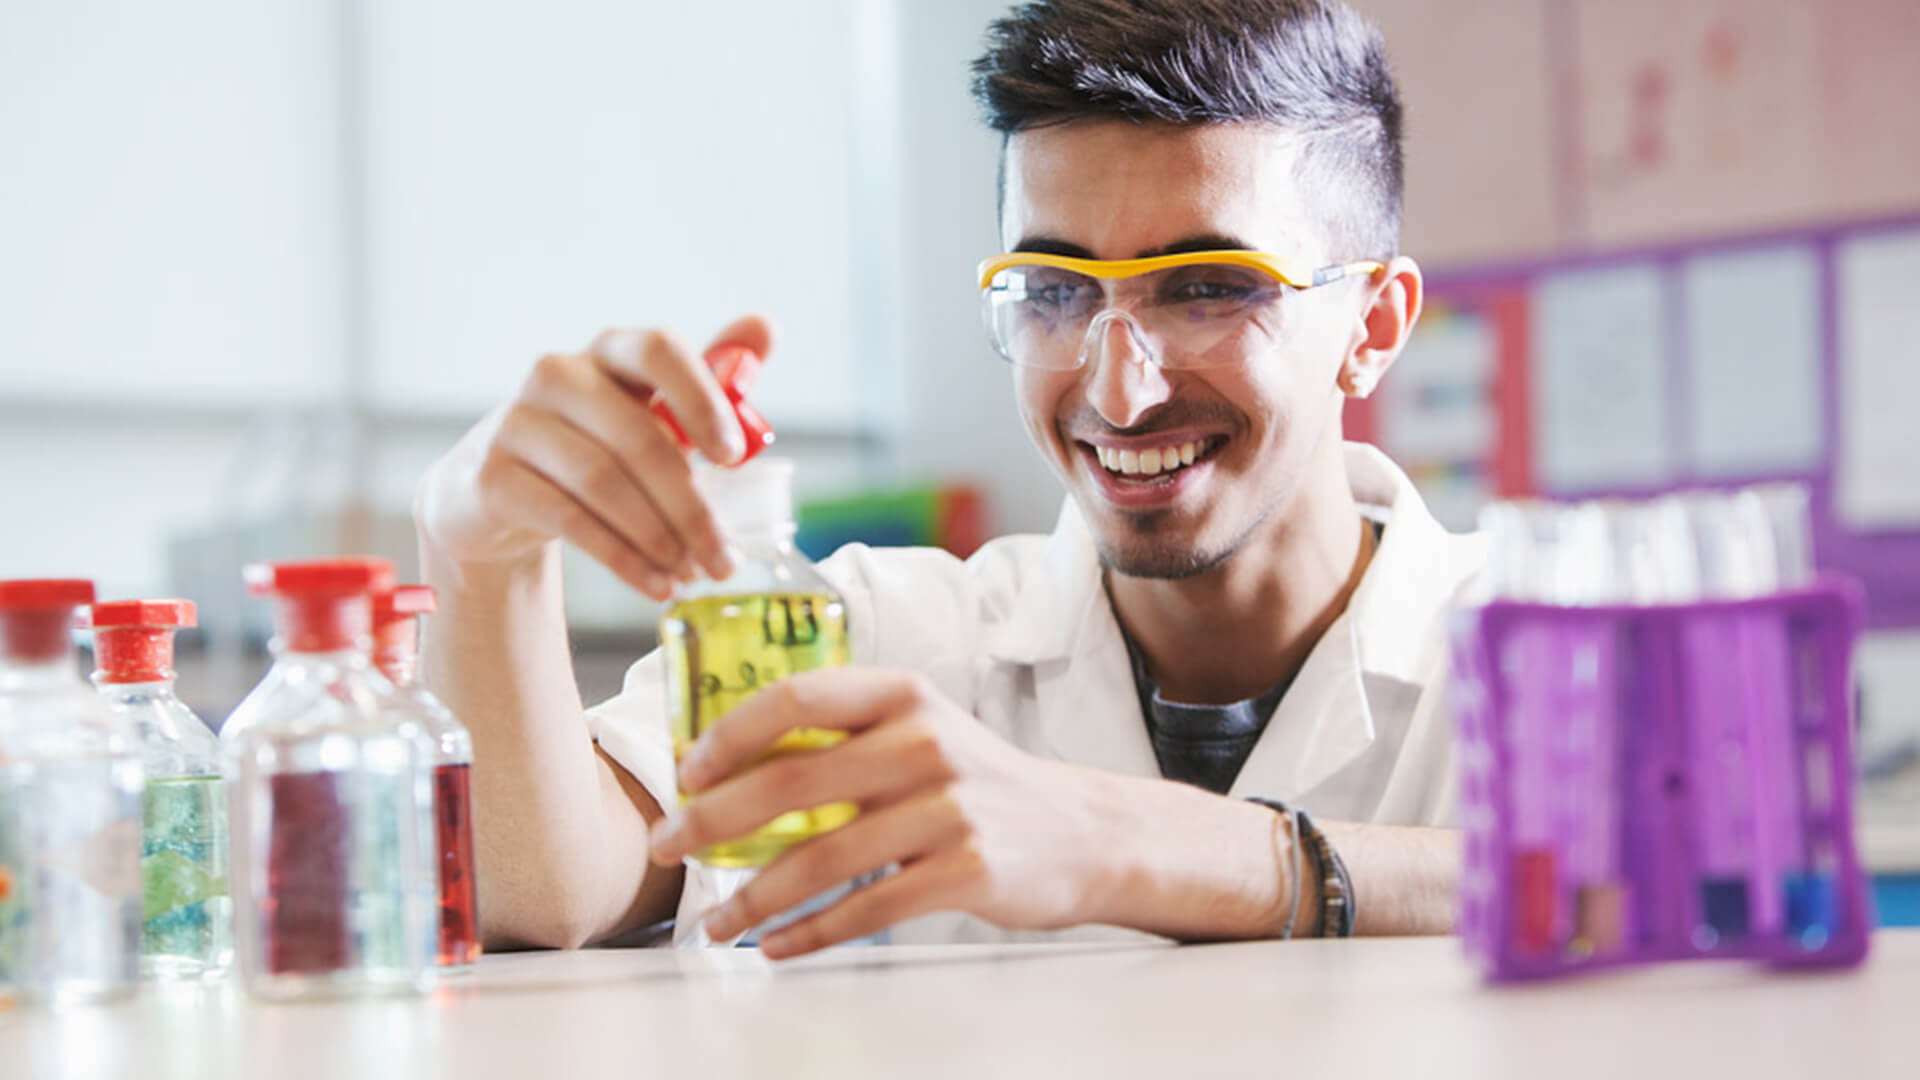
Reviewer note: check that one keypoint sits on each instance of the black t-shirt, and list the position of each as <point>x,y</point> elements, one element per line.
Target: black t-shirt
<point>1206,745</point>
<point>1203,745</point>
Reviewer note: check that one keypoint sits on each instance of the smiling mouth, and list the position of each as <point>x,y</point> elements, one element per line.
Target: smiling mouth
<point>1153,464</point>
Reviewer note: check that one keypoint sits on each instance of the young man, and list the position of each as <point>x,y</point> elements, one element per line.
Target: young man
<point>1201,202</point>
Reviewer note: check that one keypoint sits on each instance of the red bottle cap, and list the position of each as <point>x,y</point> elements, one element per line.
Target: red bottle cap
<point>35,616</point>
<point>49,594</point>
<point>152,614</point>
<point>324,605</point>
<point>133,639</point>
<point>401,603</point>
<point>356,576</point>
<point>396,629</point>
<point>737,369</point>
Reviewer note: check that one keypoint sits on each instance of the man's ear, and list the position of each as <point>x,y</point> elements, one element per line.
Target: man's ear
<point>1394,295</point>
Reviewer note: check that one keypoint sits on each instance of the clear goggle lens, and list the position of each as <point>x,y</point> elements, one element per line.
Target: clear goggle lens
<point>1190,316</point>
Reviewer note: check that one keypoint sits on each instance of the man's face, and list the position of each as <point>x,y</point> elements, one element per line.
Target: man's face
<point>1116,190</point>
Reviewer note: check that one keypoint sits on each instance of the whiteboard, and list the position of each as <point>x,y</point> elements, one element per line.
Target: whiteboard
<point>1875,481</point>
<point>1601,396</point>
<point>536,175</point>
<point>1753,357</point>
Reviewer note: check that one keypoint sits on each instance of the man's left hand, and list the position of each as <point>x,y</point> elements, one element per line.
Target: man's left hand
<point>975,824</point>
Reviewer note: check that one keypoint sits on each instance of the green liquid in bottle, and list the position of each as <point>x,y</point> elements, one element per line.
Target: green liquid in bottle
<point>188,928</point>
<point>721,650</point>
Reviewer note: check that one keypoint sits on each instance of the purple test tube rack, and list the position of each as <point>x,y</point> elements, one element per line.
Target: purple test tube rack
<point>1659,782</point>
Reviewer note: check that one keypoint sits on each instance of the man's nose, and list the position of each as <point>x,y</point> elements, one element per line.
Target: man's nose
<point>1124,381</point>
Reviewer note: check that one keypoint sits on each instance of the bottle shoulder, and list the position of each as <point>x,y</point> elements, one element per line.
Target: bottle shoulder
<point>453,743</point>
<point>319,698</point>
<point>169,738</point>
<point>59,718</point>
<point>764,573</point>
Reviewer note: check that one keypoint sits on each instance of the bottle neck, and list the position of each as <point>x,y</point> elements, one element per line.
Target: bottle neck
<point>352,656</point>
<point>400,666</point>
<point>34,673</point>
<point>396,649</point>
<point>762,541</point>
<point>135,691</point>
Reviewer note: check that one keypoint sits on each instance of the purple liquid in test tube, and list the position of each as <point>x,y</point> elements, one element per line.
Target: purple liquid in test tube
<point>1721,764</point>
<point>1528,652</point>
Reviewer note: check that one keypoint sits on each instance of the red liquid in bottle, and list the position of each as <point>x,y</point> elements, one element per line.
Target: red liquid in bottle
<point>306,903</point>
<point>453,828</point>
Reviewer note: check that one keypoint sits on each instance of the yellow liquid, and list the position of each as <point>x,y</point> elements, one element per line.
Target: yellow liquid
<point>720,651</point>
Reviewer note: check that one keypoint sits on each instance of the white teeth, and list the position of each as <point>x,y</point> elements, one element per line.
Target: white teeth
<point>1148,462</point>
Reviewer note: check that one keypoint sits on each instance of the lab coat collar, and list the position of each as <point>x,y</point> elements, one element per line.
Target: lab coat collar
<point>1050,614</point>
<point>1065,627</point>
<point>1414,573</point>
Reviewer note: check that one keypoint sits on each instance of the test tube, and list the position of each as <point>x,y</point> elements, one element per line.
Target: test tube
<point>1515,555</point>
<point>1782,512</point>
<point>1523,536</point>
<point>1733,543</point>
<point>1673,557</point>
<point>1809,887</point>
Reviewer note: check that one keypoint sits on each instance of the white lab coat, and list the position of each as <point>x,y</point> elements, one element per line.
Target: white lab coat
<point>1022,635</point>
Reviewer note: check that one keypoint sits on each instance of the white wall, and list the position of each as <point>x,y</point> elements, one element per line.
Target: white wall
<point>169,189</point>
<point>169,263</point>
<point>538,173</point>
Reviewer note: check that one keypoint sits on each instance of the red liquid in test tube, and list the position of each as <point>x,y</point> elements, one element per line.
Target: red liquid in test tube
<point>396,633</point>
<point>306,903</point>
<point>453,819</point>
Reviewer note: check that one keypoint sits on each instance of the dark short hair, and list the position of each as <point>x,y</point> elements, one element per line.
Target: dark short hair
<point>1312,67</point>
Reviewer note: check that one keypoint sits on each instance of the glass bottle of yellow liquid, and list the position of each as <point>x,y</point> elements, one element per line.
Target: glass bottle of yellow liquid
<point>724,641</point>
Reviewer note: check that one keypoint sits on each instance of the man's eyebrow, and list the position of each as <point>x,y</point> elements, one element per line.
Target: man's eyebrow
<point>1049,245</point>
<point>1203,242</point>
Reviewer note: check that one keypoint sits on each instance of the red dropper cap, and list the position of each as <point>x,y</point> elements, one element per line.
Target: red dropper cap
<point>738,369</point>
<point>133,639</point>
<point>35,616</point>
<point>323,603</point>
<point>396,629</point>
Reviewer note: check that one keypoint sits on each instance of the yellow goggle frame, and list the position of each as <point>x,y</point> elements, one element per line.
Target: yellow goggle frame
<point>1288,271</point>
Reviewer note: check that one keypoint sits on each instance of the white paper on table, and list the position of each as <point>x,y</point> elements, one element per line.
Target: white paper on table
<point>1753,357</point>
<point>1601,370</point>
<point>1877,481</point>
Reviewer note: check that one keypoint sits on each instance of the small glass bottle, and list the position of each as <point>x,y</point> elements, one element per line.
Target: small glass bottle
<point>70,791</point>
<point>725,640</point>
<point>188,932</point>
<point>330,801</point>
<point>396,652</point>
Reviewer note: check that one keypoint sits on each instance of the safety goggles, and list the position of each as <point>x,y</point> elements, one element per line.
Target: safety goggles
<point>1190,310</point>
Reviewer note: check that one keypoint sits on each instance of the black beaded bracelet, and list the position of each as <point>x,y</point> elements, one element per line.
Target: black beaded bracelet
<point>1336,886</point>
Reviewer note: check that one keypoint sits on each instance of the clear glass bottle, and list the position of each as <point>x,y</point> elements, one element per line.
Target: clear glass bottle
<point>70,790</point>
<point>725,640</point>
<point>330,801</point>
<point>397,616</point>
<point>187,912</point>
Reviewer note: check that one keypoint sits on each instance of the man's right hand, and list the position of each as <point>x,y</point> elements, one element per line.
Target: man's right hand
<point>578,456</point>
